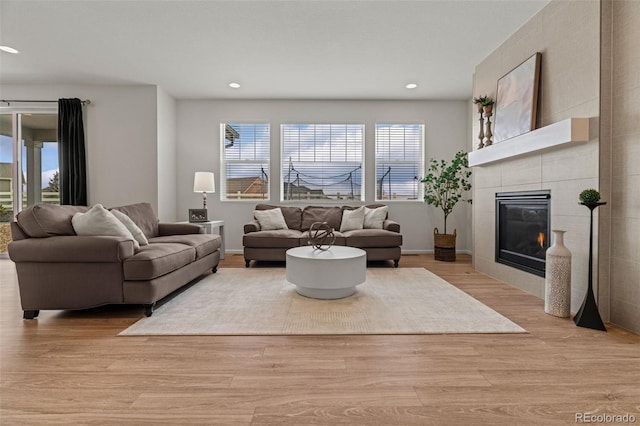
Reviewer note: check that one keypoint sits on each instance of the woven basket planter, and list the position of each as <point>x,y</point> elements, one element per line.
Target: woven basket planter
<point>444,246</point>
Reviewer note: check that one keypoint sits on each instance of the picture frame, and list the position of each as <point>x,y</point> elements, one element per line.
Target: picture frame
<point>517,100</point>
<point>198,215</point>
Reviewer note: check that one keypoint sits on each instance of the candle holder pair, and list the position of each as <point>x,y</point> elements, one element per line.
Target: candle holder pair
<point>485,106</point>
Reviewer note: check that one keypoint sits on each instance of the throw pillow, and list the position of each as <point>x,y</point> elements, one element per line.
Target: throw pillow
<point>352,219</point>
<point>374,218</point>
<point>270,220</point>
<point>137,233</point>
<point>100,221</point>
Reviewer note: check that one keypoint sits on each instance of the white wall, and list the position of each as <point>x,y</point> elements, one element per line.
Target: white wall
<point>121,138</point>
<point>166,157</point>
<point>198,124</point>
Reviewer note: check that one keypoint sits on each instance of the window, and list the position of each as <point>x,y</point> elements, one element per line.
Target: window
<point>244,161</point>
<point>322,161</point>
<point>399,161</point>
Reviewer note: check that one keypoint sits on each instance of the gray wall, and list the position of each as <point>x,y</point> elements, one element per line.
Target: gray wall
<point>167,151</point>
<point>130,141</point>
<point>199,150</point>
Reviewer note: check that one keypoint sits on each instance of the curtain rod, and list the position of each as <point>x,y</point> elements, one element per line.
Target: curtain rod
<point>18,101</point>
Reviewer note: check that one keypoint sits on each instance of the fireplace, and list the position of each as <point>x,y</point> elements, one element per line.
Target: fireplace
<point>523,229</point>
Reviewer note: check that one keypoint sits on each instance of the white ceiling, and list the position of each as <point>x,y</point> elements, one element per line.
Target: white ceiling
<point>301,49</point>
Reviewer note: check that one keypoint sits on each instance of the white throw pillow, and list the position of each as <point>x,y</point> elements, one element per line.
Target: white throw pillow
<point>99,221</point>
<point>137,233</point>
<point>374,218</point>
<point>352,219</point>
<point>270,220</point>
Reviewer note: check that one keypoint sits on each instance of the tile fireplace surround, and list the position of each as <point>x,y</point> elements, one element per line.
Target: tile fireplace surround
<point>560,158</point>
<point>589,69</point>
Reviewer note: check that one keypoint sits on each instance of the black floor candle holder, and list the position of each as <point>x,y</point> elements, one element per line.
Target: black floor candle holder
<point>588,316</point>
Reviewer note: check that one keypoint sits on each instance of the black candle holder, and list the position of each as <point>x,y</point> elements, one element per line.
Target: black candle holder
<point>588,316</point>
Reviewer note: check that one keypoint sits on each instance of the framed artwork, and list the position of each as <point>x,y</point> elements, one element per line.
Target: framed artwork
<point>198,215</point>
<point>517,99</point>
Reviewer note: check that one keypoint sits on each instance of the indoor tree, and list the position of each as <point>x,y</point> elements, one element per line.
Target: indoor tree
<point>445,183</point>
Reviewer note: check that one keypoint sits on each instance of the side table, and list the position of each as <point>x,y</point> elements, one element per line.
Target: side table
<point>209,226</point>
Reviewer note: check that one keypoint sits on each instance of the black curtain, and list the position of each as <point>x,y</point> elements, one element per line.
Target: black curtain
<point>73,167</point>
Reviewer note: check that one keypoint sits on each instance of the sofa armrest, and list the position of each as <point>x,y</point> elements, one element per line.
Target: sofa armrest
<point>252,226</point>
<point>17,233</point>
<point>390,225</point>
<point>71,248</point>
<point>165,229</point>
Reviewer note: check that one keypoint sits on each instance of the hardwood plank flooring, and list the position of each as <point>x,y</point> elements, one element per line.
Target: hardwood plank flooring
<point>72,368</point>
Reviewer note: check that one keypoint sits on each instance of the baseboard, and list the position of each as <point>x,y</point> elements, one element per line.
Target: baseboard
<point>431,251</point>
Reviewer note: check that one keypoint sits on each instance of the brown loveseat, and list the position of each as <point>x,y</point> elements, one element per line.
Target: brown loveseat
<point>272,245</point>
<point>58,269</point>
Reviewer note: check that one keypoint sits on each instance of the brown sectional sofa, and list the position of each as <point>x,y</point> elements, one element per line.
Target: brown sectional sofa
<point>272,245</point>
<point>58,269</point>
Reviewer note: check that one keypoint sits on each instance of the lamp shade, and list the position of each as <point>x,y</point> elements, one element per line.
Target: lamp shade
<point>204,182</point>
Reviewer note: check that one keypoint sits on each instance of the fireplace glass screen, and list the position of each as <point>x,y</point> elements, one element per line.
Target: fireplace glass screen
<point>522,229</point>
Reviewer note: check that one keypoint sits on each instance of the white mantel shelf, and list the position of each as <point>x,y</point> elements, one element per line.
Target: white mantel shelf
<point>551,136</point>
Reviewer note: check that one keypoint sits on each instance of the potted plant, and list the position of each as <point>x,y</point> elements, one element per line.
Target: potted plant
<point>444,185</point>
<point>479,102</point>
<point>487,104</point>
<point>589,196</point>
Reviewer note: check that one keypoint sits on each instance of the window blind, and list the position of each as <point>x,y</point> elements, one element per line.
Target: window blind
<point>322,161</point>
<point>245,161</point>
<point>399,161</point>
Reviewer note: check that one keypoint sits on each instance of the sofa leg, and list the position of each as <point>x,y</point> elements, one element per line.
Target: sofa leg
<point>247,263</point>
<point>148,309</point>
<point>30,314</point>
<point>215,269</point>
<point>395,263</point>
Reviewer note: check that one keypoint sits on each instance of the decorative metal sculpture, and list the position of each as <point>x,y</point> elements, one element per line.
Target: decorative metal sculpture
<point>321,236</point>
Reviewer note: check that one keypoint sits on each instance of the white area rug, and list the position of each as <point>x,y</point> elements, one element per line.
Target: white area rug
<point>262,302</point>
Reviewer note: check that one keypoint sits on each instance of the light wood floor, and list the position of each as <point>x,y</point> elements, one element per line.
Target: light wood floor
<point>72,368</point>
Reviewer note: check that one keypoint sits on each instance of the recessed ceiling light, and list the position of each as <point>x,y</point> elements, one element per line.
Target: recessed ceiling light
<point>411,86</point>
<point>8,49</point>
<point>234,85</point>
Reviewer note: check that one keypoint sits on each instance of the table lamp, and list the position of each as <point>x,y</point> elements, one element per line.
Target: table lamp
<point>204,182</point>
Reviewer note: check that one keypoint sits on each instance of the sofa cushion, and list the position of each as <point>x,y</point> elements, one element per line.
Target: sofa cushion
<point>312,214</point>
<point>373,238</point>
<point>271,219</point>
<point>292,215</point>
<point>100,221</point>
<point>142,215</point>
<point>352,219</point>
<point>156,260</point>
<point>47,220</point>
<point>281,238</point>
<point>204,244</point>
<point>374,218</point>
<point>131,226</point>
<point>340,239</point>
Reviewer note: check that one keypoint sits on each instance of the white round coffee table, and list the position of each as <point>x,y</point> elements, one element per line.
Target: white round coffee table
<point>326,274</point>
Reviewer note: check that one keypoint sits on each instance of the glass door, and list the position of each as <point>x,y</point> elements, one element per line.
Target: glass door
<point>28,165</point>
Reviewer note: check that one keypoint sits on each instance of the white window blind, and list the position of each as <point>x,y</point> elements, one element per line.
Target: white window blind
<point>322,161</point>
<point>399,161</point>
<point>245,161</point>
